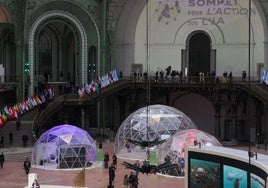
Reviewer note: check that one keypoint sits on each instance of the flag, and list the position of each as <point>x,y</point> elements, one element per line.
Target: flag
<point>6,110</point>
<point>2,120</point>
<point>87,89</point>
<point>37,99</point>
<point>42,97</point>
<point>81,91</point>
<point>115,75</point>
<point>265,77</point>
<point>107,80</point>
<point>111,77</point>
<point>12,114</point>
<point>100,82</point>
<point>92,86</point>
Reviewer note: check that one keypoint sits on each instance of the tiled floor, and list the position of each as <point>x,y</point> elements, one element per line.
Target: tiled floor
<point>13,176</point>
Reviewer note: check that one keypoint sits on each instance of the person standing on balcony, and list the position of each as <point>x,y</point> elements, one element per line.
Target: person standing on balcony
<point>244,75</point>
<point>230,76</point>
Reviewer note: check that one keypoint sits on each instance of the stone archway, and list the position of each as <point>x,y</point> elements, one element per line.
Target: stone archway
<point>31,42</point>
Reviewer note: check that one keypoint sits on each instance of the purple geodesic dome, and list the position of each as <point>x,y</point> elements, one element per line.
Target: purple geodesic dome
<point>66,145</point>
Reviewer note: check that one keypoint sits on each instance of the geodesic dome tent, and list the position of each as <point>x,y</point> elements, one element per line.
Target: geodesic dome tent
<point>66,145</point>
<point>151,123</point>
<point>173,148</point>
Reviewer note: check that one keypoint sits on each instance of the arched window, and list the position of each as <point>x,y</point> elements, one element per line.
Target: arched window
<point>44,54</point>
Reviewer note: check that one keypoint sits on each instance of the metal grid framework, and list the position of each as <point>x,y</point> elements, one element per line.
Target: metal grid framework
<point>174,148</point>
<point>67,144</point>
<point>155,122</point>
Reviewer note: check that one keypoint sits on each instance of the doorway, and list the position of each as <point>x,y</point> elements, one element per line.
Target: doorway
<point>199,54</point>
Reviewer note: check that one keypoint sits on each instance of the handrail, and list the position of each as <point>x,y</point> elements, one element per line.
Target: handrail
<point>48,111</point>
<point>253,89</point>
<point>256,89</point>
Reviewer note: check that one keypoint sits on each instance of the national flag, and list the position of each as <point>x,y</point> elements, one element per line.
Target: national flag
<point>12,114</point>
<point>99,81</point>
<point>38,100</point>
<point>265,77</point>
<point>107,80</point>
<point>42,97</point>
<point>92,86</point>
<point>87,89</point>
<point>115,75</point>
<point>81,91</point>
<point>2,121</point>
<point>111,77</point>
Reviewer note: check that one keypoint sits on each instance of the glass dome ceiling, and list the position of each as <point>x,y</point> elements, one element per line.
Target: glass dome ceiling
<point>66,145</point>
<point>152,123</point>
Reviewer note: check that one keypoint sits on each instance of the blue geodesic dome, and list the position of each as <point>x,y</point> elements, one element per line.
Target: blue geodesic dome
<point>66,145</point>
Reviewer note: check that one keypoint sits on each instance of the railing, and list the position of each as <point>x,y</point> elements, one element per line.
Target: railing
<point>194,79</point>
<point>9,79</point>
<point>74,98</point>
<point>42,116</point>
<point>61,88</point>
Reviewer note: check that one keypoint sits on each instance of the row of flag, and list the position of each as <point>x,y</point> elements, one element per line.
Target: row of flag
<point>100,82</point>
<point>12,112</point>
<point>265,77</point>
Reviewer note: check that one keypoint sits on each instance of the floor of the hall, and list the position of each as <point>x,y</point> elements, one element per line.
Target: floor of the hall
<point>13,175</point>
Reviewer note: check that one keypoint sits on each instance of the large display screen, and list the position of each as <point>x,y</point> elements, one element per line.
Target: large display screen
<point>204,174</point>
<point>234,177</point>
<point>256,181</point>
<point>207,170</point>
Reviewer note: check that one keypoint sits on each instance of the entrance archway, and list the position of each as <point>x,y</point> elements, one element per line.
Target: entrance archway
<point>81,65</point>
<point>199,54</point>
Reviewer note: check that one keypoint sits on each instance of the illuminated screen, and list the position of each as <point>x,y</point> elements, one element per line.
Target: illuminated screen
<point>256,181</point>
<point>204,174</point>
<point>219,171</point>
<point>234,177</point>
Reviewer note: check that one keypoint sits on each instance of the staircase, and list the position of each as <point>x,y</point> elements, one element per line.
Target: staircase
<point>16,151</point>
<point>17,154</point>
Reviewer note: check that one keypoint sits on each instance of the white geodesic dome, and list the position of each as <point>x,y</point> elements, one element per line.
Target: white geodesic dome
<point>173,149</point>
<point>151,123</point>
<point>65,145</point>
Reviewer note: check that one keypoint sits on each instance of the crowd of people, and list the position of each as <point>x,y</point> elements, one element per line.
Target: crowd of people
<point>24,140</point>
<point>129,181</point>
<point>169,75</point>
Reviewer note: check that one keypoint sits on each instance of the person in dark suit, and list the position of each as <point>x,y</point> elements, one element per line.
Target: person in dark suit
<point>106,159</point>
<point>27,166</point>
<point>24,140</point>
<point>10,138</point>
<point>111,174</point>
